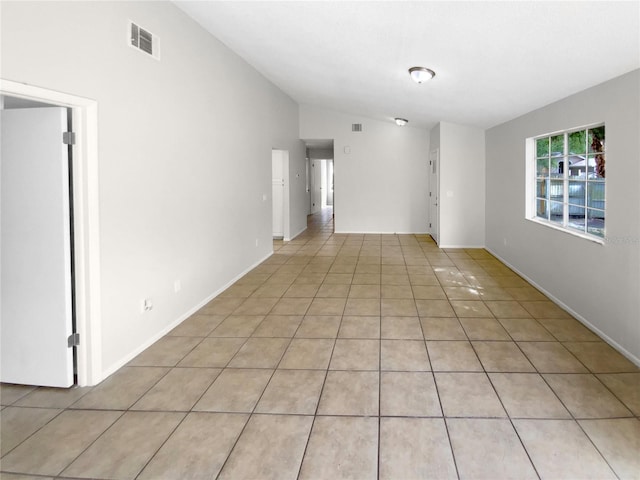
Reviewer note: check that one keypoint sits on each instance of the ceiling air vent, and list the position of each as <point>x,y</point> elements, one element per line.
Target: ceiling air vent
<point>144,40</point>
<point>356,127</point>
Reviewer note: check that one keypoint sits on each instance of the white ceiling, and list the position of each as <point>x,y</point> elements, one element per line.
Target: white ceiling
<point>493,61</point>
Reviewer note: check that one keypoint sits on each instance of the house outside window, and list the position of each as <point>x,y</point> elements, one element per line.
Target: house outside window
<point>569,175</point>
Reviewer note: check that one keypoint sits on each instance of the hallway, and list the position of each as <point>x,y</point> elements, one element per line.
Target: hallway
<point>348,356</point>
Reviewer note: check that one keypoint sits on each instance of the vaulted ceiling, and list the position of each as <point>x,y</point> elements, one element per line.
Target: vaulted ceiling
<point>493,61</point>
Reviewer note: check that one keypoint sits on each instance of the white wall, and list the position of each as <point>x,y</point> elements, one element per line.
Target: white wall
<point>599,283</point>
<point>381,185</point>
<point>184,152</point>
<point>462,184</point>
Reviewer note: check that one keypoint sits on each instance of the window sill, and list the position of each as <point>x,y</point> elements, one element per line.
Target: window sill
<point>591,238</point>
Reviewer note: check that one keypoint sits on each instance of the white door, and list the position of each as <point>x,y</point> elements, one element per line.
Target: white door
<point>277,192</point>
<point>434,193</point>
<point>316,186</point>
<point>35,251</point>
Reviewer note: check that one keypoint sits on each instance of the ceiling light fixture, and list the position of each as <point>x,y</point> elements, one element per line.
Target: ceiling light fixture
<point>421,74</point>
<point>401,121</point>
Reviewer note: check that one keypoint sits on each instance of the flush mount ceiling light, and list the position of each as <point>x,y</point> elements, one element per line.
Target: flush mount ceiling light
<point>401,121</point>
<point>421,74</point>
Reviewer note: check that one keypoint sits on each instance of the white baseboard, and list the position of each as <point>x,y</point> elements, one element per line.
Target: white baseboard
<point>295,234</point>
<point>633,358</point>
<point>127,358</point>
<point>356,232</point>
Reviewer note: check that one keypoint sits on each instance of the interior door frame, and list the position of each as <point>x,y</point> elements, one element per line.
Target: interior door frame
<point>434,203</point>
<point>86,238</point>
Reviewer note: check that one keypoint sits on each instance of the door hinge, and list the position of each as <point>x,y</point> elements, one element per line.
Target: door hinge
<point>429,225</point>
<point>73,340</point>
<point>69,138</point>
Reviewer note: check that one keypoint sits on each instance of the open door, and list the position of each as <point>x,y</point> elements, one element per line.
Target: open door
<point>434,193</point>
<point>35,250</point>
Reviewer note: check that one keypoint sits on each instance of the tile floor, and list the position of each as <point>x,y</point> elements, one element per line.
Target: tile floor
<point>348,356</point>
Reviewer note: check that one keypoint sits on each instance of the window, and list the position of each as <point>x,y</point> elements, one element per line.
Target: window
<point>570,180</point>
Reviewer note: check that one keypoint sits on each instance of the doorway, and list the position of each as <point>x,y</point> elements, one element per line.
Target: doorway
<point>83,189</point>
<point>434,194</point>
<point>280,194</point>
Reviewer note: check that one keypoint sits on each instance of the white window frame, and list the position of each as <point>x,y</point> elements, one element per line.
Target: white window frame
<point>531,191</point>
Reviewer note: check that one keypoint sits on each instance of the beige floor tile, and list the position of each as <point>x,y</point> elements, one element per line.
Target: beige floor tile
<point>310,279</point>
<point>506,309</point>
<point>462,293</point>
<point>470,308</point>
<point>271,290</point>
<point>124,450</point>
<point>166,352</point>
<point>197,326</point>
<point>453,356</point>
<point>292,392</point>
<point>234,391</point>
<point>364,291</point>
<point>551,357</point>
<point>298,290</point>
<point>618,440</point>
<point>192,451</point>
<point>369,267</point>
<point>393,266</point>
<point>260,353</point>
<point>401,328</point>
<point>600,357</point>
<point>281,278</point>
<point>425,279</point>
<point>625,386</point>
<point>237,326</point>
<point>502,357</point>
<point>526,329</point>
<point>10,393</point>
<point>404,355</point>
<point>396,291</point>
<point>44,397</point>
<point>308,354</point>
<point>544,309</point>
<point>560,449</point>
<point>428,292</point>
<point>178,390</point>
<point>291,306</point>
<point>213,352</point>
<point>327,306</point>
<point>226,305</point>
<point>255,306</point>
<point>362,306</point>
<point>366,279</point>
<point>468,395</point>
<point>495,293</point>
<point>122,389</point>
<point>17,424</point>
<point>434,308</point>
<point>585,396</point>
<point>360,326</point>
<point>278,326</point>
<point>16,476</point>
<point>328,290</point>
<point>526,395</point>
<point>270,447</point>
<point>394,279</point>
<point>568,330</point>
<point>45,454</point>
<point>408,394</point>
<point>526,293</point>
<point>319,326</point>
<point>442,329</point>
<point>484,329</point>
<point>488,448</point>
<point>412,448</point>
<point>338,279</point>
<point>351,354</point>
<point>342,448</point>
<point>392,307</point>
<point>350,393</point>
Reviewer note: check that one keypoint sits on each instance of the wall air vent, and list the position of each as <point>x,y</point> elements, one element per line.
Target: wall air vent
<point>143,40</point>
<point>356,127</point>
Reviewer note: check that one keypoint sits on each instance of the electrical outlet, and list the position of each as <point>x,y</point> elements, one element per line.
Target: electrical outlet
<point>257,242</point>
<point>177,286</point>
<point>147,305</point>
